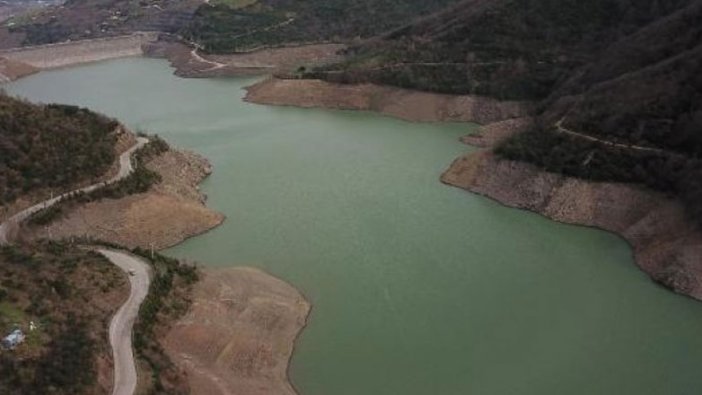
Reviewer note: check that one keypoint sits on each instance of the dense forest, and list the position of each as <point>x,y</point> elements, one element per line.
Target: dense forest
<point>620,70</point>
<point>51,146</point>
<point>231,26</point>
<point>66,292</point>
<point>508,49</point>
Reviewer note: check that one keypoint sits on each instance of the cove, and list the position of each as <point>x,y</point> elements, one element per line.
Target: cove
<point>417,287</point>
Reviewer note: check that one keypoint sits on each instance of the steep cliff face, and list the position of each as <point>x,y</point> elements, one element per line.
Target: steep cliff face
<point>665,243</point>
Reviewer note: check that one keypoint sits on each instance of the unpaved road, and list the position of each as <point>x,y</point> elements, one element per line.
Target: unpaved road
<point>564,130</point>
<point>125,375</point>
<point>8,227</point>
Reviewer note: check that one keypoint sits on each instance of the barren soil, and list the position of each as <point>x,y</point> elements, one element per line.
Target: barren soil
<point>11,70</point>
<point>239,334</point>
<point>169,213</point>
<point>401,103</point>
<point>266,61</point>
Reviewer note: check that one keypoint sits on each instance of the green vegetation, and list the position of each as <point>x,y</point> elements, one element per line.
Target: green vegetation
<point>168,299</point>
<point>669,173</point>
<point>516,50</point>
<point>231,27</point>
<point>64,290</point>
<point>50,146</point>
<point>140,181</point>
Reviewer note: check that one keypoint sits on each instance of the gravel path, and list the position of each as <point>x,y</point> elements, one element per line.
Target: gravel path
<point>121,326</point>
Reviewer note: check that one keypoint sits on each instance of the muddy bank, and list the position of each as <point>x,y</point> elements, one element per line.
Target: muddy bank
<point>239,334</point>
<point>11,70</point>
<point>401,103</point>
<point>169,213</point>
<point>194,64</point>
<point>665,244</point>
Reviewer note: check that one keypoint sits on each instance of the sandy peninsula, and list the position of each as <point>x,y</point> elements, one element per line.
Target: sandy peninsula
<point>172,211</point>
<point>239,334</point>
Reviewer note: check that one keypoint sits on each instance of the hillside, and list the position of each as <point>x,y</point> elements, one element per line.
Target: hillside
<point>230,25</point>
<point>80,19</point>
<point>508,49</point>
<point>51,146</point>
<point>620,71</point>
<point>69,294</point>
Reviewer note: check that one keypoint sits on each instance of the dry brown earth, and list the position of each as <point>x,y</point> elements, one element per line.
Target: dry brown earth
<point>239,334</point>
<point>265,61</point>
<point>11,70</point>
<point>401,103</point>
<point>169,213</point>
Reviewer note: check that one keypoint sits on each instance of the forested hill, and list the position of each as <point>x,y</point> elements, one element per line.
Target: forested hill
<point>50,146</point>
<point>509,49</point>
<point>234,25</point>
<point>622,71</point>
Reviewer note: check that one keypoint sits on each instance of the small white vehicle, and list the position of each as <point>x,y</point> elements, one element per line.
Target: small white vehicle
<point>131,272</point>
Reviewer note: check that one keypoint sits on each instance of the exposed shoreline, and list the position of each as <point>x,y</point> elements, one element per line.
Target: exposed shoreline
<point>409,105</point>
<point>171,212</point>
<point>239,334</point>
<point>665,245</point>
<point>51,56</point>
<point>188,62</point>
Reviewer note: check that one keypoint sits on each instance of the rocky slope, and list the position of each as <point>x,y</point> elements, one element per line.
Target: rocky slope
<point>666,244</point>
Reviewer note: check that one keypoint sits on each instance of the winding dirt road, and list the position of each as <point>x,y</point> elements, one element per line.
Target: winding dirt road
<point>122,324</point>
<point>9,227</point>
<point>125,377</point>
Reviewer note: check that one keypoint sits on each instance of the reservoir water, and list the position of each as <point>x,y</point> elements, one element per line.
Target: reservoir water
<point>417,287</point>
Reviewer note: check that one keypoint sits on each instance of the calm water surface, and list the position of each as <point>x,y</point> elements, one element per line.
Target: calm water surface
<point>418,288</point>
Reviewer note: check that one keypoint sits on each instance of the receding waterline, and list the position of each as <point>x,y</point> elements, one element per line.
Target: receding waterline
<point>418,288</point>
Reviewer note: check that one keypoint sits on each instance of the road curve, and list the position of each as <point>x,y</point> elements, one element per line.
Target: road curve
<point>125,377</point>
<point>122,324</point>
<point>125,169</point>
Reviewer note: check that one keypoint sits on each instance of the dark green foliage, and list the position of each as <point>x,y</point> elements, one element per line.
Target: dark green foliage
<point>220,28</point>
<point>68,363</point>
<point>67,366</point>
<point>670,173</point>
<point>140,181</point>
<point>51,146</point>
<point>508,49</point>
<point>46,216</point>
<point>64,301</point>
<point>167,299</point>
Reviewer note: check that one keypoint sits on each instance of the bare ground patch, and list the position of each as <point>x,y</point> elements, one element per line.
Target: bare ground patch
<point>169,213</point>
<point>239,334</point>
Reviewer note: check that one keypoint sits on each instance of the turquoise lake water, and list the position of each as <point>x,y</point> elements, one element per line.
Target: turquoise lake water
<point>417,287</point>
